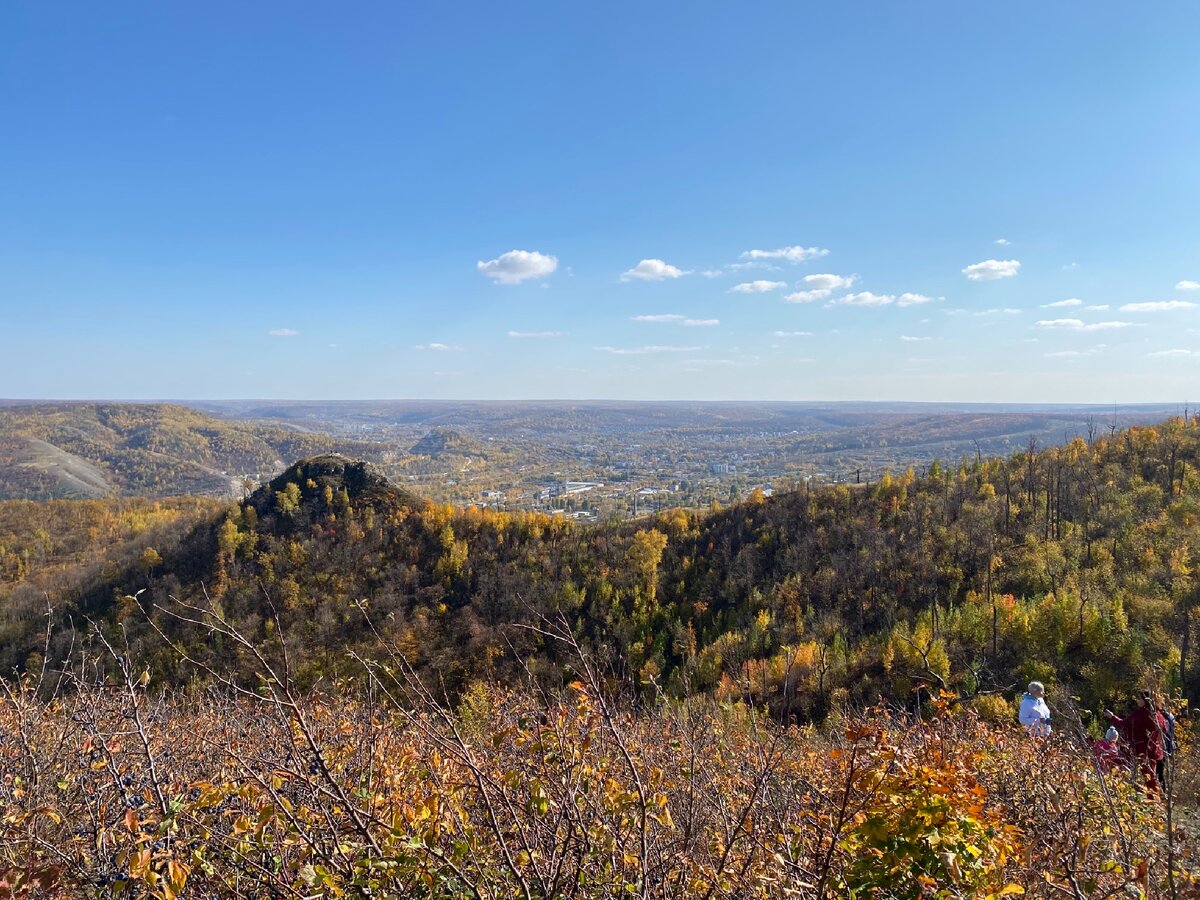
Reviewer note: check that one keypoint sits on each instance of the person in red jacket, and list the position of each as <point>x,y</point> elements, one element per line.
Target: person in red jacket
<point>1142,733</point>
<point>1108,751</point>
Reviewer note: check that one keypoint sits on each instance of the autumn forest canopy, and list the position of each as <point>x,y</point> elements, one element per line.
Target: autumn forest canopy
<point>1074,565</point>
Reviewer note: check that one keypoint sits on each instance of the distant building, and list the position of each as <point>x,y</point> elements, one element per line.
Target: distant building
<point>566,489</point>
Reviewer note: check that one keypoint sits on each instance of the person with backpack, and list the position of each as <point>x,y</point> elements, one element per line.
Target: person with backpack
<point>1034,714</point>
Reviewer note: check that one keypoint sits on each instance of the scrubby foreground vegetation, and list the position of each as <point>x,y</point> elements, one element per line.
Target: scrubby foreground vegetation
<point>383,790</point>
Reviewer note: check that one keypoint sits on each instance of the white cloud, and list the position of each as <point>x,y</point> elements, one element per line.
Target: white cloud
<point>1079,325</point>
<point>652,270</point>
<point>757,287</point>
<point>754,264</point>
<point>790,254</point>
<point>535,334</point>
<point>1158,306</point>
<point>992,269</point>
<point>440,347</point>
<point>665,317</point>
<point>792,333</point>
<point>1068,354</point>
<point>1074,301</point>
<point>866,298</point>
<point>641,351</point>
<point>807,296</point>
<point>1005,311</point>
<point>1002,242</point>
<point>820,287</point>
<point>516,266</point>
<point>826,282</point>
<point>283,332</point>
<point>907,299</point>
<point>676,319</point>
<point>734,268</point>
<point>1070,265</point>
<point>1188,285</point>
<point>1098,307</point>
<point>909,339</point>
<point>1177,354</point>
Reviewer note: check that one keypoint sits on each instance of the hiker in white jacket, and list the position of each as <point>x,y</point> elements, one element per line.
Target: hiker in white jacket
<point>1035,714</point>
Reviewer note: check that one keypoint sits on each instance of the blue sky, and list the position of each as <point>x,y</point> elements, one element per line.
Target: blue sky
<point>301,200</point>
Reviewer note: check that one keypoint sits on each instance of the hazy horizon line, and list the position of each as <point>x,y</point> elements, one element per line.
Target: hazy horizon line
<point>13,401</point>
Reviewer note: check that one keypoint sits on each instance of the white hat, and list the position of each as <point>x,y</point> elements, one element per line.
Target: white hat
<point>1111,734</point>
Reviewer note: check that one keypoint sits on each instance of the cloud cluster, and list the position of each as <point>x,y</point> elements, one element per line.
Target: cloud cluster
<point>283,332</point>
<point>759,286</point>
<point>443,348</point>
<point>992,269</point>
<point>652,270</point>
<point>819,287</point>
<point>827,282</point>
<point>516,266</point>
<point>1188,285</point>
<point>791,333</point>
<point>1074,301</point>
<point>795,254</point>
<point>862,298</point>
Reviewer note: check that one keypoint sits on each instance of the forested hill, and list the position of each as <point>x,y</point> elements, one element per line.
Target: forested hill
<point>87,450</point>
<point>1075,565</point>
